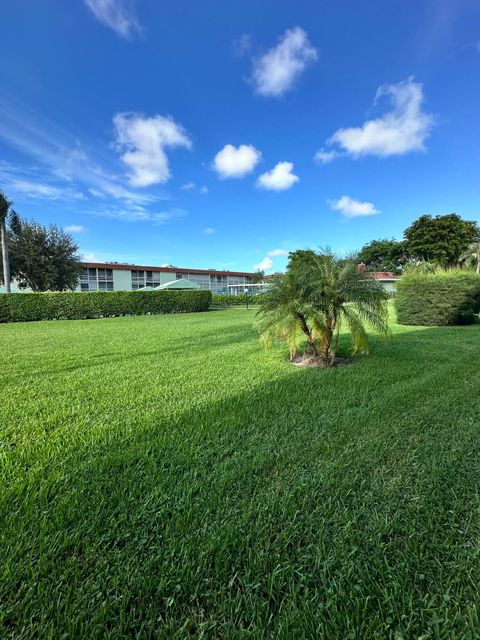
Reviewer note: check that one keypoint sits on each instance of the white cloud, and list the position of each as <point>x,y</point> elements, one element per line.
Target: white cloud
<point>401,130</point>
<point>236,162</point>
<point>88,256</point>
<point>116,14</point>
<point>276,71</point>
<point>74,228</point>
<point>351,208</point>
<point>188,186</point>
<point>263,265</point>
<point>60,160</point>
<point>209,231</point>
<point>204,190</point>
<point>143,141</point>
<point>279,178</point>
<point>277,252</point>
<point>324,157</point>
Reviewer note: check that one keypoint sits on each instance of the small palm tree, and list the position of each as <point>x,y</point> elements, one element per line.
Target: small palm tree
<point>5,205</point>
<point>471,257</point>
<point>319,294</point>
<point>283,316</point>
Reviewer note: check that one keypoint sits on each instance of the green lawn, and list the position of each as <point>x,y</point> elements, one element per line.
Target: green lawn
<point>163,477</point>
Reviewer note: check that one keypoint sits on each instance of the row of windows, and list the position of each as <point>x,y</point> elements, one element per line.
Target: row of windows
<point>96,279</point>
<point>93,279</point>
<point>142,278</point>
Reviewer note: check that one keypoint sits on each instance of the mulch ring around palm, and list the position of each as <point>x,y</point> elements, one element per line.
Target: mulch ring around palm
<point>311,362</point>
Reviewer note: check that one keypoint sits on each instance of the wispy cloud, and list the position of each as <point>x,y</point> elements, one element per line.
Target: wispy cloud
<point>277,252</point>
<point>117,15</point>
<point>351,208</point>
<point>324,157</point>
<point>276,71</point>
<point>236,162</point>
<point>143,141</point>
<point>137,213</point>
<point>280,178</point>
<point>191,186</point>
<point>62,168</point>
<point>401,130</point>
<point>31,184</point>
<point>209,231</point>
<point>75,228</point>
<point>242,45</point>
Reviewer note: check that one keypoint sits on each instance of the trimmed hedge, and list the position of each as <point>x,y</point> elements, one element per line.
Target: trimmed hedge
<point>25,307</point>
<point>437,299</point>
<point>243,298</point>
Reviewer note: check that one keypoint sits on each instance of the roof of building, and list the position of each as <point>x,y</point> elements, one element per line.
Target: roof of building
<point>384,275</point>
<point>183,283</point>
<point>137,267</point>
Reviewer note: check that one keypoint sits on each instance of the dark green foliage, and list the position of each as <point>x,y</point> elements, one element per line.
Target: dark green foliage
<point>440,298</point>
<point>42,258</point>
<point>241,299</point>
<point>440,239</point>
<point>258,276</point>
<point>383,255</point>
<point>24,307</point>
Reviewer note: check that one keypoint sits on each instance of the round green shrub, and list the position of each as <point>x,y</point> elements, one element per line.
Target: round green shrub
<point>439,298</point>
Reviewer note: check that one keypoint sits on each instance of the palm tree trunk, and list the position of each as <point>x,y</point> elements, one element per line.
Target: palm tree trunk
<point>6,263</point>
<point>308,333</point>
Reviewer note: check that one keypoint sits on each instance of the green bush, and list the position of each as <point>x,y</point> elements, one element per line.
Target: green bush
<point>24,307</point>
<point>439,298</point>
<point>243,299</point>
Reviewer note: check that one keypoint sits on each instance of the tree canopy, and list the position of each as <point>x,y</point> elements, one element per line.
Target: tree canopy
<point>440,239</point>
<point>383,255</point>
<point>42,258</point>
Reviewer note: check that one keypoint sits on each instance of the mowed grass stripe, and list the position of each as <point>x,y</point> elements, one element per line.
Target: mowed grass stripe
<point>164,477</point>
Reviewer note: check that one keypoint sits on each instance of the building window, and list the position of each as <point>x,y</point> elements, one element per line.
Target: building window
<point>105,279</point>
<point>201,279</point>
<point>142,279</point>
<point>178,276</point>
<point>92,279</point>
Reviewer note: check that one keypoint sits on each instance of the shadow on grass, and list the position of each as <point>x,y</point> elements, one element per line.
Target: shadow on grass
<point>328,504</point>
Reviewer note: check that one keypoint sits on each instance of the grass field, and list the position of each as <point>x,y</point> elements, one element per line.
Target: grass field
<point>163,477</point>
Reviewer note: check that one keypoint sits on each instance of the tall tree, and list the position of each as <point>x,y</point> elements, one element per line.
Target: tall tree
<point>440,239</point>
<point>44,258</point>
<point>5,206</point>
<point>383,255</point>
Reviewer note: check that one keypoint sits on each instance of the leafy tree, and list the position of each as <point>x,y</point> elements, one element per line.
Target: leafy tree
<point>42,258</point>
<point>258,276</point>
<point>383,255</point>
<point>318,294</point>
<point>5,207</point>
<point>471,256</point>
<point>440,239</point>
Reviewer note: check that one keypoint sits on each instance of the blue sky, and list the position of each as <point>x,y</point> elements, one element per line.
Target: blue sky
<point>224,134</point>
